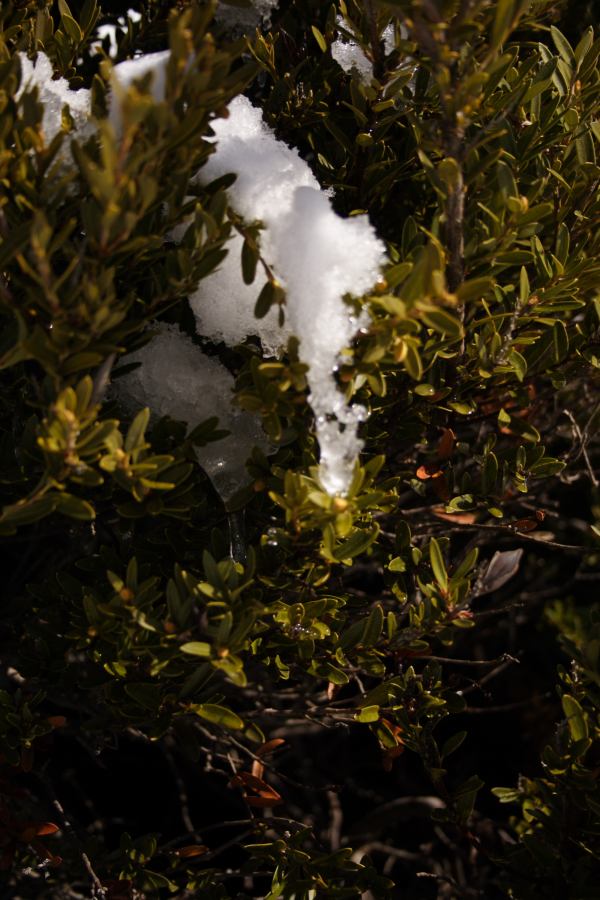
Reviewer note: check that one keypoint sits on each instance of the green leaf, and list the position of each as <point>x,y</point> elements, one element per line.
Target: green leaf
<point>453,743</point>
<point>75,507</point>
<point>524,288</point>
<point>489,473</point>
<point>444,322</point>
<point>576,718</point>
<point>320,39</point>
<point>250,257</point>
<point>368,714</point>
<point>562,45</point>
<point>356,544</point>
<point>218,715</point>
<point>373,627</point>
<point>475,289</point>
<point>437,564</point>
<point>197,648</point>
<point>72,28</point>
<point>502,22</point>
<point>136,431</point>
<point>518,362</point>
<point>270,294</point>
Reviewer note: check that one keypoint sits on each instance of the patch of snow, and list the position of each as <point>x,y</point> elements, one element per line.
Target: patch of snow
<point>245,19</point>
<point>54,95</point>
<point>124,74</point>
<point>352,58</point>
<point>316,255</point>
<point>177,379</point>
<point>109,31</point>
<point>224,305</point>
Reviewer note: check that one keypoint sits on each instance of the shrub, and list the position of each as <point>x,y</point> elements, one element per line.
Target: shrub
<point>289,640</point>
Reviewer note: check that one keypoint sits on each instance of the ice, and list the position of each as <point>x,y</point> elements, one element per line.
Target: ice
<point>176,378</point>
<point>54,95</point>
<point>317,256</point>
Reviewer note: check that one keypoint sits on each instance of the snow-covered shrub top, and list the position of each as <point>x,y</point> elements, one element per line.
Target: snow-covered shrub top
<point>316,255</point>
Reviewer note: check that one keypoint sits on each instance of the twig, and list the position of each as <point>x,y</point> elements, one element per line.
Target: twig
<point>98,890</point>
<point>583,440</point>
<point>184,808</point>
<point>473,662</point>
<point>102,379</point>
<point>336,821</point>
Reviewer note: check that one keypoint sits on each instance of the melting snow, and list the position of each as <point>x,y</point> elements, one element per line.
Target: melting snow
<point>178,379</point>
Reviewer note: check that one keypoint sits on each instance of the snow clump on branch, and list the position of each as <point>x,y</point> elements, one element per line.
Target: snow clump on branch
<point>177,379</point>
<point>317,256</point>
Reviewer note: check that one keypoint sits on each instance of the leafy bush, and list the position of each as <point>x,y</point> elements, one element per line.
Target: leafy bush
<point>277,690</point>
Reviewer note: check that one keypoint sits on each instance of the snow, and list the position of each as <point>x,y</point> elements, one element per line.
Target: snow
<point>316,255</point>
<point>325,257</point>
<point>178,379</point>
<point>109,31</point>
<point>244,19</point>
<point>124,75</point>
<point>54,95</point>
<point>224,305</point>
<point>352,58</point>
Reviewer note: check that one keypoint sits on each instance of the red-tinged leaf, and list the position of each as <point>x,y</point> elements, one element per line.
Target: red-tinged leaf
<point>236,781</point>
<point>446,444</point>
<point>57,721</point>
<point>55,861</point>
<point>27,834</point>
<point>119,890</point>
<point>525,525</point>
<point>266,796</point>
<point>264,802</point>
<point>269,746</point>
<point>6,860</point>
<point>389,756</point>
<point>466,518</point>
<point>429,470</point>
<point>540,515</point>
<point>47,828</point>
<point>440,486</point>
<point>254,782</point>
<point>191,850</point>
<point>258,770</point>
<point>26,760</point>
<point>41,850</point>
<point>395,729</point>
